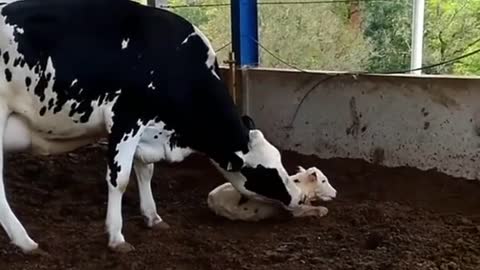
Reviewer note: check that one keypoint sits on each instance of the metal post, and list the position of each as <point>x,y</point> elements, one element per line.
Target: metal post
<point>233,80</point>
<point>417,35</point>
<point>244,15</point>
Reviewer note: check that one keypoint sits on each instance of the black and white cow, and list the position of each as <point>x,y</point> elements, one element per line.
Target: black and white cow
<point>74,71</point>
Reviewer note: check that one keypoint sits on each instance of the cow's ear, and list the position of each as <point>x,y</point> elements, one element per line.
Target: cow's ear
<point>235,163</point>
<point>248,122</point>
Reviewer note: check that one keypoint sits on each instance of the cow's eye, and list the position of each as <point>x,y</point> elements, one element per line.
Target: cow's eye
<point>323,181</point>
<point>296,181</point>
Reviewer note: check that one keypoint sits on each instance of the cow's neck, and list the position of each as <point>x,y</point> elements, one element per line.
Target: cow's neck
<point>211,126</point>
<point>218,146</point>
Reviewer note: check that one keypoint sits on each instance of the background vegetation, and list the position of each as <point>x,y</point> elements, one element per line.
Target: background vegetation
<point>373,36</point>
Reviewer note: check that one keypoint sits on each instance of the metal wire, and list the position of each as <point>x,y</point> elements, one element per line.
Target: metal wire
<point>272,3</point>
<point>223,47</point>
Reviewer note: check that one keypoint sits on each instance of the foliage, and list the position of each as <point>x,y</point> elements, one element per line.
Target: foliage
<point>213,21</point>
<point>143,2</point>
<point>311,37</point>
<point>453,29</point>
<point>470,65</point>
<point>196,15</point>
<point>320,36</point>
<point>388,26</point>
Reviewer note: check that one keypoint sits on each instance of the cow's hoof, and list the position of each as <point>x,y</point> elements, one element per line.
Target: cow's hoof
<point>162,225</point>
<point>37,252</point>
<point>124,247</point>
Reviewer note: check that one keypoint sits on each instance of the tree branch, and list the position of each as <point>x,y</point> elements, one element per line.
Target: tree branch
<point>469,45</point>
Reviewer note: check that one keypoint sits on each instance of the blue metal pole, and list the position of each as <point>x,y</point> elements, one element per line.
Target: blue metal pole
<point>245,31</point>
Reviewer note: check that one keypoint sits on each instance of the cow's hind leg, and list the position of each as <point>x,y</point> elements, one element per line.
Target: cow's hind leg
<point>144,173</point>
<point>123,141</point>
<point>14,229</point>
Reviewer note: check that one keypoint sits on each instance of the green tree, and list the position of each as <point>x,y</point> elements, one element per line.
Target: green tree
<point>311,36</point>
<point>195,15</point>
<point>213,21</point>
<point>387,26</point>
<point>453,29</point>
<point>307,36</point>
<point>143,2</point>
<point>470,65</point>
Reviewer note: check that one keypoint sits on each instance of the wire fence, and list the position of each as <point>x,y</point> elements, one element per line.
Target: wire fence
<point>261,3</point>
<point>426,67</point>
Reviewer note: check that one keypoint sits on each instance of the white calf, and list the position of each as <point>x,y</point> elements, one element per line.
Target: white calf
<point>226,201</point>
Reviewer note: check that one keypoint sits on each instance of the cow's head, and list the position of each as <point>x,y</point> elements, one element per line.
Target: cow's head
<point>259,173</point>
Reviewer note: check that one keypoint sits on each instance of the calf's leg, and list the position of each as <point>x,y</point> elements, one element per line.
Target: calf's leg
<point>312,211</point>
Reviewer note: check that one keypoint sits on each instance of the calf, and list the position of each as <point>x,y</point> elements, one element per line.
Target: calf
<point>75,71</point>
<point>226,201</point>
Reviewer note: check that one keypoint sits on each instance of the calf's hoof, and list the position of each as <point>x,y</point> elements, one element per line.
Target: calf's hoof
<point>322,211</point>
<point>37,252</point>
<point>124,247</point>
<point>162,225</point>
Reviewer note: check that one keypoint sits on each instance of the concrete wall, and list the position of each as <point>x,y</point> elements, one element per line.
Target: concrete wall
<point>425,122</point>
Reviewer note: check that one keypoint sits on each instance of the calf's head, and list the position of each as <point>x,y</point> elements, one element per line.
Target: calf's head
<point>314,184</point>
<point>259,173</point>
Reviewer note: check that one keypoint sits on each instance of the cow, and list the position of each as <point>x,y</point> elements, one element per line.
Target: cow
<point>73,72</point>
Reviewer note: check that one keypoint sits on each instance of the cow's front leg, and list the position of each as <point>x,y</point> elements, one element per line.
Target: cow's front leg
<point>144,173</point>
<point>120,158</point>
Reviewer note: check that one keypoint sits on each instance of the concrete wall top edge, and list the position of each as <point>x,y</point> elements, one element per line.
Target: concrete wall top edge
<point>347,73</point>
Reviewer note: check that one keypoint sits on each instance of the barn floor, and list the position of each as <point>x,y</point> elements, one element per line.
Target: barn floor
<point>383,219</point>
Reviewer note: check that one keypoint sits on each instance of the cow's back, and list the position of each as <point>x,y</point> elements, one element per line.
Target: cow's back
<point>66,60</point>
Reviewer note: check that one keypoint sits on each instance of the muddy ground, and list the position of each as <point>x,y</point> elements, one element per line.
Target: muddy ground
<point>383,219</point>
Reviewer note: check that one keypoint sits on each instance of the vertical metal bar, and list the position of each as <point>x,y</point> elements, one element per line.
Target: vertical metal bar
<point>244,15</point>
<point>417,35</point>
<point>232,79</point>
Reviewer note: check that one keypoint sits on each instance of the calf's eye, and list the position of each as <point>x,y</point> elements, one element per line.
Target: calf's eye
<point>323,181</point>
<point>296,181</point>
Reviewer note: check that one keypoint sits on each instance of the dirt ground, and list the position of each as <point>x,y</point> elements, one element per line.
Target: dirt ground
<point>383,219</point>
